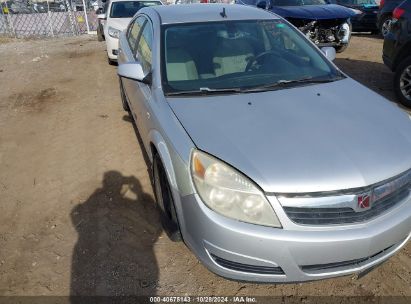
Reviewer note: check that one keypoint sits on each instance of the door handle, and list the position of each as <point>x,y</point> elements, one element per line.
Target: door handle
<point>148,115</point>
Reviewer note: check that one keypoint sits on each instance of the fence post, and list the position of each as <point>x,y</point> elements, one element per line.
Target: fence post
<point>50,20</point>
<point>68,7</point>
<point>85,16</point>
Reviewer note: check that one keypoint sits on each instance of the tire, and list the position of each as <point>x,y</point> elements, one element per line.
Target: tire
<point>100,36</point>
<point>123,97</point>
<point>384,25</point>
<point>403,77</point>
<point>111,61</point>
<point>341,48</point>
<point>165,201</point>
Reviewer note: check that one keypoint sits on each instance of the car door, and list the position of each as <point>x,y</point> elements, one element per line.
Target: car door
<point>143,93</point>
<point>138,93</point>
<point>128,54</point>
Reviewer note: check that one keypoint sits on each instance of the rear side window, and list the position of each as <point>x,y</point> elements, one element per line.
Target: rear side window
<point>144,49</point>
<point>134,31</point>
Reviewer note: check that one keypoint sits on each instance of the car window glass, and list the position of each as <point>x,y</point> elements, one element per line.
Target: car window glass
<point>144,48</point>
<point>134,31</point>
<point>127,9</point>
<point>238,54</point>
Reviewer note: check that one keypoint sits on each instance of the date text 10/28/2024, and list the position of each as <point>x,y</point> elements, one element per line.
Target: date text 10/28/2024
<point>202,299</point>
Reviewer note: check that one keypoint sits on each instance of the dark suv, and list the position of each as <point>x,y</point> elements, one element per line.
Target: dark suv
<point>384,17</point>
<point>397,51</point>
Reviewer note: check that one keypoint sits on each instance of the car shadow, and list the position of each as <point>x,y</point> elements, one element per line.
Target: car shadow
<point>128,118</point>
<point>117,228</point>
<point>367,35</point>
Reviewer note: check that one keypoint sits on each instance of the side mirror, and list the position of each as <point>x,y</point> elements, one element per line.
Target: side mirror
<point>262,4</point>
<point>329,52</point>
<point>101,16</point>
<point>133,71</point>
<point>99,11</point>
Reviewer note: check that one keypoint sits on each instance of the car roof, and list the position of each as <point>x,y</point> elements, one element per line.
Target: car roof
<point>188,13</point>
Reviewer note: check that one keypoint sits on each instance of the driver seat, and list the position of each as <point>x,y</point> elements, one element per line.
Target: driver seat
<point>232,54</point>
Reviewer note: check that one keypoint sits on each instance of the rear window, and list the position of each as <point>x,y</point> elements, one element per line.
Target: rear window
<point>127,9</point>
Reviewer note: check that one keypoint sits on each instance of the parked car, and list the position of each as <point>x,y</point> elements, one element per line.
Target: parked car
<point>397,51</point>
<point>40,7</point>
<point>325,24</point>
<point>384,18</point>
<point>116,19</point>
<point>101,13</point>
<point>204,1</point>
<point>16,7</point>
<point>365,19</point>
<point>57,6</point>
<point>269,162</point>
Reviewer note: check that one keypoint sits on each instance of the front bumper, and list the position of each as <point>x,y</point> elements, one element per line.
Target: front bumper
<point>296,253</point>
<point>112,47</point>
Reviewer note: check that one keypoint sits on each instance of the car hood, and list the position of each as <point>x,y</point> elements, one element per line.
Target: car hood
<point>314,12</point>
<point>119,23</point>
<point>324,137</point>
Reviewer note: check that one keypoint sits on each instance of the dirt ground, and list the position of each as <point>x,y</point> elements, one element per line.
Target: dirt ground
<point>77,215</point>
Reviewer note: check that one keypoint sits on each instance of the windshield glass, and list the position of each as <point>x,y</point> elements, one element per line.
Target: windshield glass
<point>297,2</point>
<point>127,9</point>
<point>238,54</point>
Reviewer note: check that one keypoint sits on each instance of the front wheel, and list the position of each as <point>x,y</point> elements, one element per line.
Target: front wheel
<point>402,82</point>
<point>341,48</point>
<point>385,25</point>
<point>165,201</point>
<point>111,61</point>
<point>100,35</point>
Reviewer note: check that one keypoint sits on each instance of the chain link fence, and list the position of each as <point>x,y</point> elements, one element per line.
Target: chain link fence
<point>52,18</point>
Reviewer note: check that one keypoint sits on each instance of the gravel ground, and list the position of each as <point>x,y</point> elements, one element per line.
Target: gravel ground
<point>77,215</point>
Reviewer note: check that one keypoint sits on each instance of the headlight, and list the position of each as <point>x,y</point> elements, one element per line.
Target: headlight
<point>230,193</point>
<point>115,33</point>
<point>344,33</point>
<point>356,11</point>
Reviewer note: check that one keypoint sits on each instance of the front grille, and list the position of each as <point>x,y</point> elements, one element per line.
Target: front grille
<point>346,215</point>
<point>334,266</point>
<point>247,268</point>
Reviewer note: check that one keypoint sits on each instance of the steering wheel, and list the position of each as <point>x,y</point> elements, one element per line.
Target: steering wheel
<point>252,61</point>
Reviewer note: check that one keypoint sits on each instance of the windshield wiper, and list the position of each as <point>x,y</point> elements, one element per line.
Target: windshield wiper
<point>206,91</point>
<point>286,83</point>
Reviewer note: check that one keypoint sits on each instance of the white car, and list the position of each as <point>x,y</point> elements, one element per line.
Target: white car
<point>117,17</point>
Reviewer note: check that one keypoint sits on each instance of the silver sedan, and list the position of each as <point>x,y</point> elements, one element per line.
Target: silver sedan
<point>268,162</point>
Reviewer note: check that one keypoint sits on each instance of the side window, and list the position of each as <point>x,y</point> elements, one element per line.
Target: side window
<point>144,48</point>
<point>133,32</point>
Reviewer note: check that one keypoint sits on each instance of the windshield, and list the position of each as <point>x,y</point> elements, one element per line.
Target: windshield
<point>238,54</point>
<point>297,2</point>
<point>127,9</point>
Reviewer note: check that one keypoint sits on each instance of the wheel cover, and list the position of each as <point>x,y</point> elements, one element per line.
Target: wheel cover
<point>405,83</point>
<point>385,28</point>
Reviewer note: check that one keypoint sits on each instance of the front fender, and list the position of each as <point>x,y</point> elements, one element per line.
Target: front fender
<point>161,147</point>
<point>177,172</point>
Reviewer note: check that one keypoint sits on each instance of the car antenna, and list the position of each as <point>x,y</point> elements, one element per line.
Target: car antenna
<point>223,14</point>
